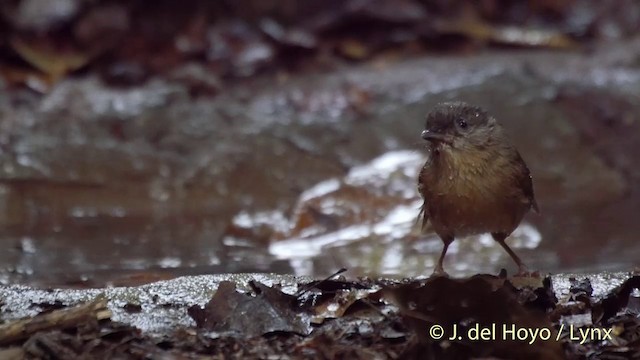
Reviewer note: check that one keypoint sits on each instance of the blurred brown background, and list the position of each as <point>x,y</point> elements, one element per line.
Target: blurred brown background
<point>142,141</point>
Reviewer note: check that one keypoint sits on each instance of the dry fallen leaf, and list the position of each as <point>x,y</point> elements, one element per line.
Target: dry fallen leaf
<point>270,310</point>
<point>507,35</point>
<point>52,61</point>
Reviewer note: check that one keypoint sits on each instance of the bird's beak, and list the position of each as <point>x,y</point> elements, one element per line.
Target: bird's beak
<point>436,137</point>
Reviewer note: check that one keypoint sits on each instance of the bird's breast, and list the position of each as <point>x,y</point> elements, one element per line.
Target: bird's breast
<point>472,194</point>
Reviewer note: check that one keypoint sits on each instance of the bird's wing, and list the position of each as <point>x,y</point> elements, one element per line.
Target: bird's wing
<point>424,214</point>
<point>526,184</point>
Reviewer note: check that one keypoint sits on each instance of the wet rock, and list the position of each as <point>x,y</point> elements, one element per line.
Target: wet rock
<point>163,304</point>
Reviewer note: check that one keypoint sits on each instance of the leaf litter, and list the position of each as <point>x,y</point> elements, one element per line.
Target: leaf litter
<point>361,319</point>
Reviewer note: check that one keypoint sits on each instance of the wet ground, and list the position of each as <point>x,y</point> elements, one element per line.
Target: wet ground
<point>306,174</point>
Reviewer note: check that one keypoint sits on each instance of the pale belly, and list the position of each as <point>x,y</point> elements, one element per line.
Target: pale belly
<point>471,194</point>
<point>466,215</point>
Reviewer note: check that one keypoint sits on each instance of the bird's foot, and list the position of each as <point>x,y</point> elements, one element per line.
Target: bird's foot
<point>523,271</point>
<point>439,272</point>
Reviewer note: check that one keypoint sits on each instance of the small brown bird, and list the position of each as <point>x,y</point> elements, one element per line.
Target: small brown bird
<point>474,180</point>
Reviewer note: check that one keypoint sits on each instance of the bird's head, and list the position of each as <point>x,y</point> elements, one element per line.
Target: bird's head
<point>458,126</point>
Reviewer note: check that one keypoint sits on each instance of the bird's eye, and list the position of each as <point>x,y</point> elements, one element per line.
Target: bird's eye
<point>462,123</point>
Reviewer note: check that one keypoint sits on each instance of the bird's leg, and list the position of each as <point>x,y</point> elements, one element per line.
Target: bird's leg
<point>439,270</point>
<point>522,268</point>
